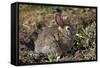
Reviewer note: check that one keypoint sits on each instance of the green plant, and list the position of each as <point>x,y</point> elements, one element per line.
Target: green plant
<point>53,58</point>
<point>86,38</point>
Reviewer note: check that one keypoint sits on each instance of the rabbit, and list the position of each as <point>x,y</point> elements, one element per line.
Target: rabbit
<point>51,41</point>
<point>56,41</point>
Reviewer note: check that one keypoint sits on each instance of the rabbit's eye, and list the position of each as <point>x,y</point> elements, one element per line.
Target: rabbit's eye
<point>68,28</point>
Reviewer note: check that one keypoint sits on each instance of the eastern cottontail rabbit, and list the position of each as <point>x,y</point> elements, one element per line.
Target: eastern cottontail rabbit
<point>51,41</point>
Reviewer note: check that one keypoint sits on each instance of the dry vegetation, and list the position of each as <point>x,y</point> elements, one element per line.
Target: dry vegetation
<point>82,19</point>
